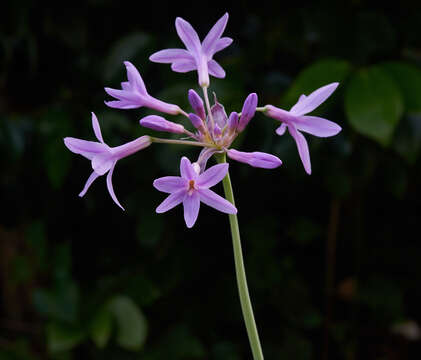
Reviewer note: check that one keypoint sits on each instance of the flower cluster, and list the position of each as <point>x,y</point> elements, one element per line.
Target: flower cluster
<point>212,129</point>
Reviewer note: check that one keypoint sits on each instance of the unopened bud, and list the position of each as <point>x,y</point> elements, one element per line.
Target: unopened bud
<point>196,103</point>
<point>247,113</point>
<point>255,159</point>
<point>232,122</point>
<point>197,122</point>
<point>158,123</point>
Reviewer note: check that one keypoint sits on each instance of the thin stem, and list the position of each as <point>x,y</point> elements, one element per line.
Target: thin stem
<point>262,109</point>
<point>189,133</point>
<point>180,142</point>
<point>205,94</point>
<point>246,306</point>
<point>184,113</point>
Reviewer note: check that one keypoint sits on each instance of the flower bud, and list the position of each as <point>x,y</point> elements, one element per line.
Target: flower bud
<point>197,122</point>
<point>158,123</point>
<point>247,113</point>
<point>255,159</point>
<point>196,103</point>
<point>232,122</point>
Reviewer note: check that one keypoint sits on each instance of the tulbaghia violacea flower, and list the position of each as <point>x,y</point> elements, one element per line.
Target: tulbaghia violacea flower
<point>198,56</point>
<point>134,95</point>
<point>191,188</point>
<point>103,157</point>
<point>296,120</point>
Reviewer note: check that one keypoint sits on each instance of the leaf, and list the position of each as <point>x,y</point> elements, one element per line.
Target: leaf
<point>408,79</point>
<point>131,324</point>
<point>101,327</point>
<point>316,75</point>
<point>373,104</point>
<point>62,338</point>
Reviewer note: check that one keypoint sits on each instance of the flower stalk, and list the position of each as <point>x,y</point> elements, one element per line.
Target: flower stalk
<point>180,142</point>
<point>240,271</point>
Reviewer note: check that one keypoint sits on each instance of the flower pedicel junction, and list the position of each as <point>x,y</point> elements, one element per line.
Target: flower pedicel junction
<point>212,130</point>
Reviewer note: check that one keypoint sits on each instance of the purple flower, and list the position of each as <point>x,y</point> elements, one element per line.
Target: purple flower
<point>198,56</point>
<point>102,156</point>
<point>134,95</point>
<point>191,188</point>
<point>255,159</point>
<point>158,123</point>
<point>296,120</point>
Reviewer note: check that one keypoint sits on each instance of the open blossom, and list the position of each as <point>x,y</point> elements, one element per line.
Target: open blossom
<point>198,56</point>
<point>134,95</point>
<point>103,157</point>
<point>296,120</point>
<point>191,189</point>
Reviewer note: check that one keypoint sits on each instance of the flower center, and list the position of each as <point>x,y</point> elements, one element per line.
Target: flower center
<point>191,187</point>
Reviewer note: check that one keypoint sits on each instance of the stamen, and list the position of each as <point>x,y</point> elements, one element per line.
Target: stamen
<point>191,187</point>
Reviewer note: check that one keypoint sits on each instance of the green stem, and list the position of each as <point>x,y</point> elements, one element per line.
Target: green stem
<point>179,142</point>
<point>240,272</point>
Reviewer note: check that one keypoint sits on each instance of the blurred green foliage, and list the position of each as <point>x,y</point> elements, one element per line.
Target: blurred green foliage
<point>81,279</point>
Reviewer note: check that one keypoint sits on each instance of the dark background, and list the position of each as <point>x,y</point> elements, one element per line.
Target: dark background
<point>333,259</point>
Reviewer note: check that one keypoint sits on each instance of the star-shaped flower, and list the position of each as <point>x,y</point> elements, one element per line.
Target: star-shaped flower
<point>134,95</point>
<point>296,120</point>
<point>198,56</point>
<point>103,157</point>
<point>191,188</point>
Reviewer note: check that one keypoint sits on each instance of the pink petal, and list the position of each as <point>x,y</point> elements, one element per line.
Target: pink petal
<point>134,78</point>
<point>88,183</point>
<point>191,205</point>
<point>217,202</point>
<point>302,148</point>
<point>211,39</point>
<point>110,186</point>
<point>317,126</point>
<point>168,56</point>
<point>102,163</point>
<point>121,104</point>
<point>88,149</point>
<point>186,169</point>
<point>212,176</point>
<point>281,130</point>
<point>97,129</point>
<point>130,96</point>
<point>215,69</point>
<point>183,66</point>
<point>312,101</point>
<point>170,184</point>
<point>188,35</point>
<point>125,85</point>
<point>222,43</point>
<point>171,201</point>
